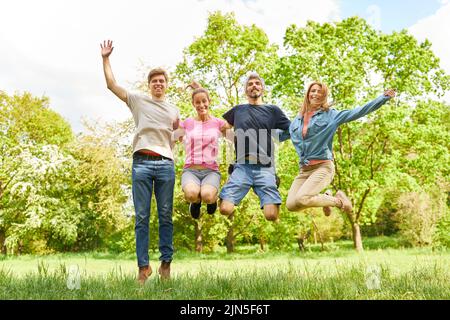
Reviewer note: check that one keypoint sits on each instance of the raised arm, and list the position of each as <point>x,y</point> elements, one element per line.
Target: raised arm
<point>120,92</point>
<point>359,112</point>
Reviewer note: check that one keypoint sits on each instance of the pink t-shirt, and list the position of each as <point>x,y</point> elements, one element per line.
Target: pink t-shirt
<point>201,142</point>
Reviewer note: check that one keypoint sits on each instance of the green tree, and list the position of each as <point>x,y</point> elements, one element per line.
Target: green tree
<point>224,54</point>
<point>357,63</point>
<point>101,184</point>
<point>219,60</point>
<point>30,134</point>
<point>57,192</point>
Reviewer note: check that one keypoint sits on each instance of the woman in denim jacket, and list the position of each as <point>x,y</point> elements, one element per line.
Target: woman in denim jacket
<point>312,133</point>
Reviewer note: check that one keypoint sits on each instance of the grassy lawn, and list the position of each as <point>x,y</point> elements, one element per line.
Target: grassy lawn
<point>337,273</point>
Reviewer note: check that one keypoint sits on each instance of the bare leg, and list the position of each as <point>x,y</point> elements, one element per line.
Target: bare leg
<point>192,192</point>
<point>271,211</point>
<point>226,207</point>
<point>208,194</point>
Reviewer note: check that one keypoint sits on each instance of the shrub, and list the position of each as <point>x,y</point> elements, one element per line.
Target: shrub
<point>442,235</point>
<point>418,216</point>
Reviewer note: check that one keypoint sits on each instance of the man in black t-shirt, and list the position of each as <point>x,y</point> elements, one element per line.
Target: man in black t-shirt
<point>254,125</point>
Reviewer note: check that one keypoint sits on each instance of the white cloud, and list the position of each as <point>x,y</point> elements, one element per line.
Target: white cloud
<point>374,16</point>
<point>52,47</point>
<point>435,29</point>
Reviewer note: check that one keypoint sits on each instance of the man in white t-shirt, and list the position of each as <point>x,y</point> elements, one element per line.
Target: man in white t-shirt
<point>153,167</point>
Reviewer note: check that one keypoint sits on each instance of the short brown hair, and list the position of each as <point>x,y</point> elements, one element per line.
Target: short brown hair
<point>157,72</point>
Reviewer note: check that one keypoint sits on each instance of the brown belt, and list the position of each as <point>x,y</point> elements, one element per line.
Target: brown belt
<point>150,157</point>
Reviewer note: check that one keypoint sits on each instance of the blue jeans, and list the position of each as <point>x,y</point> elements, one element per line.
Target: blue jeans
<point>147,174</point>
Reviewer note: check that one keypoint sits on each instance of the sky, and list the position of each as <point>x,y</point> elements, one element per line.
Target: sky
<point>52,48</point>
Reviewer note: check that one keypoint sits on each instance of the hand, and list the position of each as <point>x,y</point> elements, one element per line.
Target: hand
<point>390,93</point>
<point>176,124</point>
<point>107,48</point>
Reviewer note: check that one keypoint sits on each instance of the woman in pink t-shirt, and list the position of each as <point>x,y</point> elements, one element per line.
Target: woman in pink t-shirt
<point>200,180</point>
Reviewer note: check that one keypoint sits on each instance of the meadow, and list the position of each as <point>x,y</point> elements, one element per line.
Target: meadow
<point>337,273</point>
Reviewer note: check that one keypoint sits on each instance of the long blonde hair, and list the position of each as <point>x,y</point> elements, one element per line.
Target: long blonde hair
<point>324,105</point>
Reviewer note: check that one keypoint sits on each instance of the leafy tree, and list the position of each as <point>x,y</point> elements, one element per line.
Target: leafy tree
<point>55,190</point>
<point>37,207</point>
<point>25,116</point>
<point>101,184</point>
<point>224,54</point>
<point>357,63</point>
<point>29,133</point>
<point>220,59</point>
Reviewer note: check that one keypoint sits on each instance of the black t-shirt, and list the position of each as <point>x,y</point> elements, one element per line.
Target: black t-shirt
<point>254,127</point>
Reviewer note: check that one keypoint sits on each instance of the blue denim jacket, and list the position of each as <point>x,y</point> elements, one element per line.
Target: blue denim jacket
<point>318,141</point>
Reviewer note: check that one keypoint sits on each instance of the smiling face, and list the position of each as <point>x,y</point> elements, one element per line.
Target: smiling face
<point>315,95</point>
<point>201,103</point>
<point>254,88</point>
<point>158,86</point>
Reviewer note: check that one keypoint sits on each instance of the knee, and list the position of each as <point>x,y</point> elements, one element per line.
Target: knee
<point>209,197</point>
<point>297,204</point>
<point>226,208</point>
<point>140,223</point>
<point>271,214</point>
<point>291,205</point>
<point>191,196</point>
<point>303,201</point>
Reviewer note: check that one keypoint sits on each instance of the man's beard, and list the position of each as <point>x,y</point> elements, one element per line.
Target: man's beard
<point>255,95</point>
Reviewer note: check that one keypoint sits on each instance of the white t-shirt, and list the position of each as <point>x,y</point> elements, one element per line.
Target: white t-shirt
<point>154,122</point>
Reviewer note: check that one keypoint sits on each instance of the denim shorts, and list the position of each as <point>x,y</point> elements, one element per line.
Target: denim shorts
<point>201,177</point>
<point>245,176</point>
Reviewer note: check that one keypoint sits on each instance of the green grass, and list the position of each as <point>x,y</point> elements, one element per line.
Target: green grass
<point>338,273</point>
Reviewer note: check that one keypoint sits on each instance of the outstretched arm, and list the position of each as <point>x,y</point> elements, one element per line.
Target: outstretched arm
<point>120,92</point>
<point>359,112</point>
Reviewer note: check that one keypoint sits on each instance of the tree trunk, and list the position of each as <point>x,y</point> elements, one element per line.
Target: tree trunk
<point>198,237</point>
<point>230,240</point>
<point>2,242</point>
<point>317,232</point>
<point>357,240</point>
<point>262,243</point>
<point>301,244</point>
